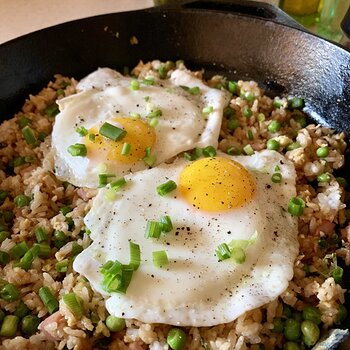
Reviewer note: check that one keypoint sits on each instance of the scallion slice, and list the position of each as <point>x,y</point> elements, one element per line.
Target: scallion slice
<point>250,135</point>
<point>208,110</point>
<point>44,250</point>
<point>134,84</point>
<point>135,255</point>
<point>48,299</point>
<point>19,250</point>
<point>74,304</point>
<point>118,184</point>
<point>28,135</point>
<point>176,339</point>
<point>166,223</point>
<point>148,81</point>
<point>149,158</point>
<point>27,259</point>
<point>77,150</point>
<point>209,151</point>
<point>92,137</point>
<point>135,116</point>
<point>296,206</point>
<point>103,179</point>
<point>112,132</point>
<point>238,255</point>
<point>166,188</point>
<point>248,150</point>
<point>154,122</point>
<point>160,258</point>
<point>276,178</point>
<point>223,251</point>
<point>62,266</point>
<point>81,130</point>
<point>154,114</point>
<point>153,229</point>
<point>126,149</point>
<point>9,292</point>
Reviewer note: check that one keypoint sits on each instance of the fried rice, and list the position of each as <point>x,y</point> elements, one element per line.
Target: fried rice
<point>27,169</point>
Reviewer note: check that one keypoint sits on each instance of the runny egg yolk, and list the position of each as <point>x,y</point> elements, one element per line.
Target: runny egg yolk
<point>139,135</point>
<point>216,184</point>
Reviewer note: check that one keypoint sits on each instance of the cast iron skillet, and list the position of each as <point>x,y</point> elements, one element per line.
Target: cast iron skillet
<point>237,39</point>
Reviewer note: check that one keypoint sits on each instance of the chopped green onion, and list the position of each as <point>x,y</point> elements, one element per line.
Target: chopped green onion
<point>135,116</point>
<point>19,250</point>
<point>273,144</point>
<point>116,277</point>
<point>261,117</point>
<point>3,195</point>
<point>60,238</point>
<point>274,126</point>
<point>52,110</point>
<point>48,299</point>
<point>60,92</point>
<point>322,152</point>
<point>223,251</point>
<point>296,103</point>
<point>277,168</point>
<point>92,137</point>
<point>153,229</point>
<point>126,149</point>
<point>162,71</point>
<point>232,86</point>
<point>9,292</point>
<point>44,250</point>
<point>8,216</point>
<point>342,314</point>
<point>193,91</point>
<point>66,209</point>
<point>27,259</point>
<point>337,274</point>
<point>277,103</point>
<point>115,324</point>
<point>4,235</point>
<point>28,135</point>
<point>160,258</point>
<point>154,114</point>
<point>103,179</point>
<point>166,224</point>
<point>62,266</point>
<point>4,258</point>
<point>76,249</point>
<point>112,132</point>
<point>9,326</point>
<point>23,121</point>
<point>325,177</point>
<point>30,324</point>
<point>176,339</point>
<point>296,206</point>
<point>148,81</point>
<point>74,304</point>
<point>110,195</point>
<point>292,146</point>
<point>209,151</point>
<point>41,136</point>
<point>153,122</point>
<point>247,112</point>
<point>77,150</point>
<point>300,118</point>
<point>135,255</point>
<point>134,84</point>
<point>233,124</point>
<point>149,158</point>
<point>249,96</point>
<point>21,310</point>
<point>229,112</point>
<point>250,135</point>
<point>166,187</point>
<point>118,184</point>
<point>276,178</point>
<point>82,131</point>
<point>238,255</point>
<point>21,200</point>
<point>233,151</point>
<point>248,150</point>
<point>208,110</point>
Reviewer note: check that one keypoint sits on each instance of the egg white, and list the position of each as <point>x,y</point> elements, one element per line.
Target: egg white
<point>195,289</point>
<point>105,94</point>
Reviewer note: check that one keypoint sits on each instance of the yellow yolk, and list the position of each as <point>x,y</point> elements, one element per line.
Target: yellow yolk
<point>216,184</point>
<point>139,135</point>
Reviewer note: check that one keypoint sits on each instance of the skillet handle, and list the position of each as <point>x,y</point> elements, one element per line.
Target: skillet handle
<point>247,8</point>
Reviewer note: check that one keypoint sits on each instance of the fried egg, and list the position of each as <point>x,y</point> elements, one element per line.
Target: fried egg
<point>164,119</point>
<point>221,199</point>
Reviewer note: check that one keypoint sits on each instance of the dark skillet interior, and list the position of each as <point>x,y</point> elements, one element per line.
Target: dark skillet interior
<point>284,60</point>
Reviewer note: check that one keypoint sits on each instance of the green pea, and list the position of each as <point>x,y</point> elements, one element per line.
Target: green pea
<point>22,200</point>
<point>292,146</point>
<point>292,329</point>
<point>291,346</point>
<point>324,177</point>
<point>115,324</point>
<point>322,152</point>
<point>232,124</point>
<point>29,324</point>
<point>247,112</point>
<point>273,144</point>
<point>277,325</point>
<point>311,313</point>
<point>311,332</point>
<point>274,126</point>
